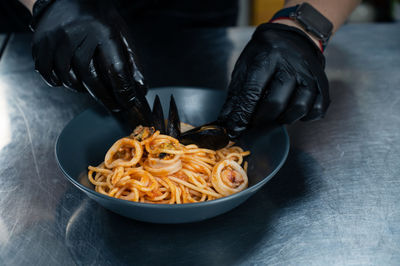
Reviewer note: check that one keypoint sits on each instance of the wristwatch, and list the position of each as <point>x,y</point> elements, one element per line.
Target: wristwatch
<point>310,19</point>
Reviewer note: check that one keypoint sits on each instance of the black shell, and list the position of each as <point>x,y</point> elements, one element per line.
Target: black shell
<point>174,123</point>
<point>158,115</point>
<point>137,112</point>
<point>209,136</point>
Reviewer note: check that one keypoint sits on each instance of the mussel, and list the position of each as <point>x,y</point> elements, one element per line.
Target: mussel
<point>211,136</point>
<point>136,112</point>
<point>174,123</point>
<point>158,115</point>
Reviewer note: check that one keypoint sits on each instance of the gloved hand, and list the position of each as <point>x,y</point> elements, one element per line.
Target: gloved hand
<point>84,45</point>
<point>279,77</point>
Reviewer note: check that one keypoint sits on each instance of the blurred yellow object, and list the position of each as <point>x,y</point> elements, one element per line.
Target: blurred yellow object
<point>263,10</point>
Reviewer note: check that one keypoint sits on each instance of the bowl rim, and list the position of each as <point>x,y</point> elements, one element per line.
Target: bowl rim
<point>168,206</point>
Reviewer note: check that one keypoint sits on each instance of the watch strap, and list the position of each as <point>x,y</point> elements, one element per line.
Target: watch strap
<point>284,13</point>
<point>288,13</point>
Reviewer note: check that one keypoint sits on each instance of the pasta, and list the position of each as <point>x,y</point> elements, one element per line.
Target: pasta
<point>154,168</point>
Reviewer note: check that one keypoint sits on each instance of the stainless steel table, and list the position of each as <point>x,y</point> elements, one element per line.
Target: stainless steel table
<point>335,202</point>
<point>3,40</point>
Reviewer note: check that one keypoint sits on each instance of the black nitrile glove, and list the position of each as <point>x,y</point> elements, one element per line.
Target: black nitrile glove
<point>279,77</point>
<point>84,45</point>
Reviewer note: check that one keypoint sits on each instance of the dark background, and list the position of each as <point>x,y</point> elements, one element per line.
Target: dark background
<point>14,17</point>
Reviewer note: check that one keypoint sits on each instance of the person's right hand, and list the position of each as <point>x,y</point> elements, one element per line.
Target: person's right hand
<point>278,78</point>
<point>84,45</point>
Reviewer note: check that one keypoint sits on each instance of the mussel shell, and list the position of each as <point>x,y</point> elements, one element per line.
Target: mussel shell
<point>133,117</point>
<point>158,115</point>
<point>209,136</point>
<point>174,123</point>
<point>137,112</point>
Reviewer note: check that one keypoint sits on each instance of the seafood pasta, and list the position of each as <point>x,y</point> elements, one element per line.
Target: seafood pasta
<point>150,167</point>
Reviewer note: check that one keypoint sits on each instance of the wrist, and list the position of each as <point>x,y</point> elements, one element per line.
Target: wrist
<point>289,22</point>
<point>28,4</point>
<point>307,19</point>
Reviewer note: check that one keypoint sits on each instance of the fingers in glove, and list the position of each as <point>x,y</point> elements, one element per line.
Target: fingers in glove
<point>318,110</point>
<point>323,100</point>
<point>250,52</point>
<point>114,66</point>
<point>300,104</point>
<point>77,84</point>
<point>63,60</point>
<point>137,74</point>
<point>233,88</point>
<point>43,52</point>
<point>241,107</point>
<point>277,97</point>
<point>237,80</point>
<point>97,88</point>
<point>86,69</point>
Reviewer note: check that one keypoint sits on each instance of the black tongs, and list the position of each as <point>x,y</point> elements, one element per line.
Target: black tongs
<point>210,136</point>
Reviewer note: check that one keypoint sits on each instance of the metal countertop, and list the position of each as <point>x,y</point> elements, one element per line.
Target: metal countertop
<point>334,202</point>
<point>3,40</point>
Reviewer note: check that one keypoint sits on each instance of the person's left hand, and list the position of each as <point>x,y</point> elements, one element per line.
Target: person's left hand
<point>279,77</point>
<point>85,45</point>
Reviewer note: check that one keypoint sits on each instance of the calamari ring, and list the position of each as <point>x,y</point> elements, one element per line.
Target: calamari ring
<point>164,171</point>
<point>136,154</point>
<point>219,185</point>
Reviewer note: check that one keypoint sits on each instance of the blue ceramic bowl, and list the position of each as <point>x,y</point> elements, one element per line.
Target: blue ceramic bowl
<point>86,139</point>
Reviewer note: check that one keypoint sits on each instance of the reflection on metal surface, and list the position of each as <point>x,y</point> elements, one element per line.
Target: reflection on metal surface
<point>5,131</point>
<point>75,216</point>
<point>4,235</point>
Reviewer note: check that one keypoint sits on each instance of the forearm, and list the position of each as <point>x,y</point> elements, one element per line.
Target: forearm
<point>336,11</point>
<point>28,4</point>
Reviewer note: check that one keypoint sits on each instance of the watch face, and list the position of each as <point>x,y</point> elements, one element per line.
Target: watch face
<point>313,21</point>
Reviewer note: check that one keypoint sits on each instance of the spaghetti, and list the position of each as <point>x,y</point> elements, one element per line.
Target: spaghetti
<point>154,168</point>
